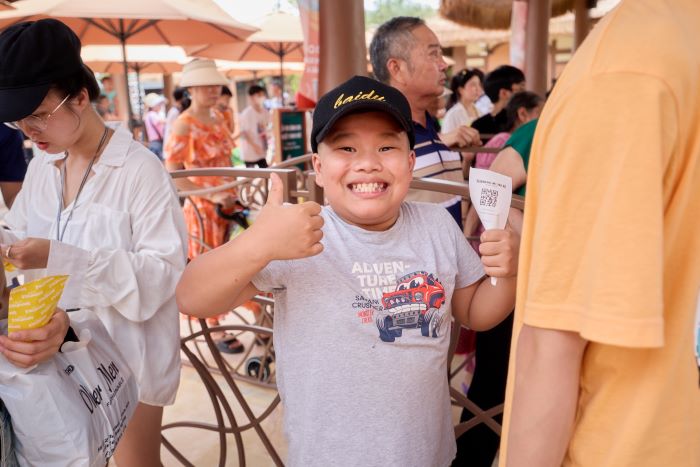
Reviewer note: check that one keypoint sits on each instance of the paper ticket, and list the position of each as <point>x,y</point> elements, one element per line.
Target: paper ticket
<point>33,304</point>
<point>491,194</point>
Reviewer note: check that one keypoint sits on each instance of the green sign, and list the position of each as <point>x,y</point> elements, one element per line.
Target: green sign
<point>292,134</point>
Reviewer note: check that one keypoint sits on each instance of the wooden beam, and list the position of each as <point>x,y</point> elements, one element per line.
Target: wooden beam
<point>536,45</point>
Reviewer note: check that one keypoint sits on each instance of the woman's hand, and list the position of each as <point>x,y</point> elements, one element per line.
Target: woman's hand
<point>27,348</point>
<point>30,253</point>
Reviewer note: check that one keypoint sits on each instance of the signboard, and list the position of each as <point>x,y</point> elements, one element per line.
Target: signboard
<point>290,134</point>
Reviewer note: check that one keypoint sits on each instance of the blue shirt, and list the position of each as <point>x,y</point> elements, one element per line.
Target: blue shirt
<point>435,160</point>
<point>13,166</point>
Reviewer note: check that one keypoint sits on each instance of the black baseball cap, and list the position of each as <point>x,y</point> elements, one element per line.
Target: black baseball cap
<point>34,55</point>
<point>360,94</point>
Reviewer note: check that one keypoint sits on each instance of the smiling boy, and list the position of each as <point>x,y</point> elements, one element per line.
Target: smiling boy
<point>363,291</point>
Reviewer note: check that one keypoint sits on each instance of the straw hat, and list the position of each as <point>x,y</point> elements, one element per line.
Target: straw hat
<point>201,73</point>
<point>493,14</point>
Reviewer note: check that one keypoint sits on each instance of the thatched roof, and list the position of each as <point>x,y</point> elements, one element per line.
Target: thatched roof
<point>492,14</point>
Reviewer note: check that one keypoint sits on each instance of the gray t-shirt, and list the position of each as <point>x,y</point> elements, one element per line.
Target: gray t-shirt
<point>361,335</point>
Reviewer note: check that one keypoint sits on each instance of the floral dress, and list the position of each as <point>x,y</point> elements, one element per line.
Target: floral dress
<point>205,146</point>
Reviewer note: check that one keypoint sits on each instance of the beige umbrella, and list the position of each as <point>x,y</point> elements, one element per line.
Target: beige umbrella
<point>256,69</point>
<point>142,58</point>
<point>492,14</point>
<point>279,39</point>
<point>118,22</point>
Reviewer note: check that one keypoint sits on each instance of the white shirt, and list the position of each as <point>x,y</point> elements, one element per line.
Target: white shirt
<point>483,105</point>
<point>255,124</point>
<point>456,117</point>
<point>124,250</point>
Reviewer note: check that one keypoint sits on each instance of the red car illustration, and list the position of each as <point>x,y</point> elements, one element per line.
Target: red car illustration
<point>414,304</point>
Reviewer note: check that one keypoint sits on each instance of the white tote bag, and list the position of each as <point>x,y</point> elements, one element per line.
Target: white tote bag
<point>73,409</point>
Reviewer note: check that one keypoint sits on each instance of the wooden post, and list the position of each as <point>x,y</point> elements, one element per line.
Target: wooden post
<point>168,88</point>
<point>582,22</point>
<point>122,97</point>
<point>536,48</point>
<point>343,50</point>
<point>459,55</point>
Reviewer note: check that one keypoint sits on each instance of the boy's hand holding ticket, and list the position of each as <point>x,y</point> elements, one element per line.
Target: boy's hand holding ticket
<point>288,231</point>
<point>499,252</point>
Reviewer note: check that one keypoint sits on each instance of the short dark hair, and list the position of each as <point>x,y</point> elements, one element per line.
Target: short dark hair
<point>179,94</point>
<point>503,77</point>
<point>72,84</point>
<point>225,91</point>
<point>459,80</point>
<point>255,89</point>
<point>392,39</point>
<point>106,78</point>
<point>524,99</point>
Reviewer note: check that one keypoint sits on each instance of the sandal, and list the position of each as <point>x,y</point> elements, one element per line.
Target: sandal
<point>230,345</point>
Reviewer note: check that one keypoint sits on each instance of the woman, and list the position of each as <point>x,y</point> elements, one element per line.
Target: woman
<point>98,206</point>
<point>467,87</point>
<point>155,123</point>
<point>201,138</point>
<point>523,107</point>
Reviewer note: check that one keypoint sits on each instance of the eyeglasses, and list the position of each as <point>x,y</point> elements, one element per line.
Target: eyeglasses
<point>34,122</point>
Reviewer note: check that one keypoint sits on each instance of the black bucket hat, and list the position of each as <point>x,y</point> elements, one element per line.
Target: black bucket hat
<point>34,55</point>
<point>360,94</point>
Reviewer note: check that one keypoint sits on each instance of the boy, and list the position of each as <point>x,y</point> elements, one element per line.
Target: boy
<point>361,320</point>
<point>253,123</point>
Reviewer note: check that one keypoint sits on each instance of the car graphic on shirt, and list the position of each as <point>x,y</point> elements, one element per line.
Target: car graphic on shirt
<point>414,304</point>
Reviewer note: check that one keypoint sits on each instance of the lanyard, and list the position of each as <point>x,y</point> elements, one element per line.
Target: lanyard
<point>61,232</point>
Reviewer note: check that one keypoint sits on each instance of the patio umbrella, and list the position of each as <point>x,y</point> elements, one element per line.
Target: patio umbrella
<point>118,22</point>
<point>142,59</point>
<point>492,14</point>
<point>243,70</point>
<point>279,39</point>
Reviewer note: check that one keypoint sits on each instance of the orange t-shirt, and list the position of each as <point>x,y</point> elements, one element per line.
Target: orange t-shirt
<point>611,240</point>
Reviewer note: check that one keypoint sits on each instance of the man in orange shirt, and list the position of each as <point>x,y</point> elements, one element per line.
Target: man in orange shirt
<point>604,364</point>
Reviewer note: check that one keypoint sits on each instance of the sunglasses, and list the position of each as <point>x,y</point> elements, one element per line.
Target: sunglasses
<point>34,122</point>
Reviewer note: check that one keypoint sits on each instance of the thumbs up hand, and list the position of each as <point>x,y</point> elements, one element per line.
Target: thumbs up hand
<point>289,231</point>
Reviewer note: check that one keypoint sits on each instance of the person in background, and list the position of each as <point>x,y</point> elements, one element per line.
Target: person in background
<point>605,359</point>
<point>253,123</point>
<point>223,105</point>
<point>523,107</point>
<point>407,55</point>
<point>102,107</point>
<point>111,93</point>
<point>276,98</point>
<point>180,103</point>
<point>466,87</point>
<point>154,121</point>
<point>97,206</point>
<point>499,85</point>
<point>201,138</point>
<point>13,166</point>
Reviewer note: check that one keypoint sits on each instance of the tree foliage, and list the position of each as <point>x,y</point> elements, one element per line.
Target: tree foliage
<point>379,11</point>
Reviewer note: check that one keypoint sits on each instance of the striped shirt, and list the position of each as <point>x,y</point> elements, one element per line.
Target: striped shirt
<point>435,160</point>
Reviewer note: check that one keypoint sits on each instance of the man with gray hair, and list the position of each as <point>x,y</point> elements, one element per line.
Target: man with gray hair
<point>407,55</point>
